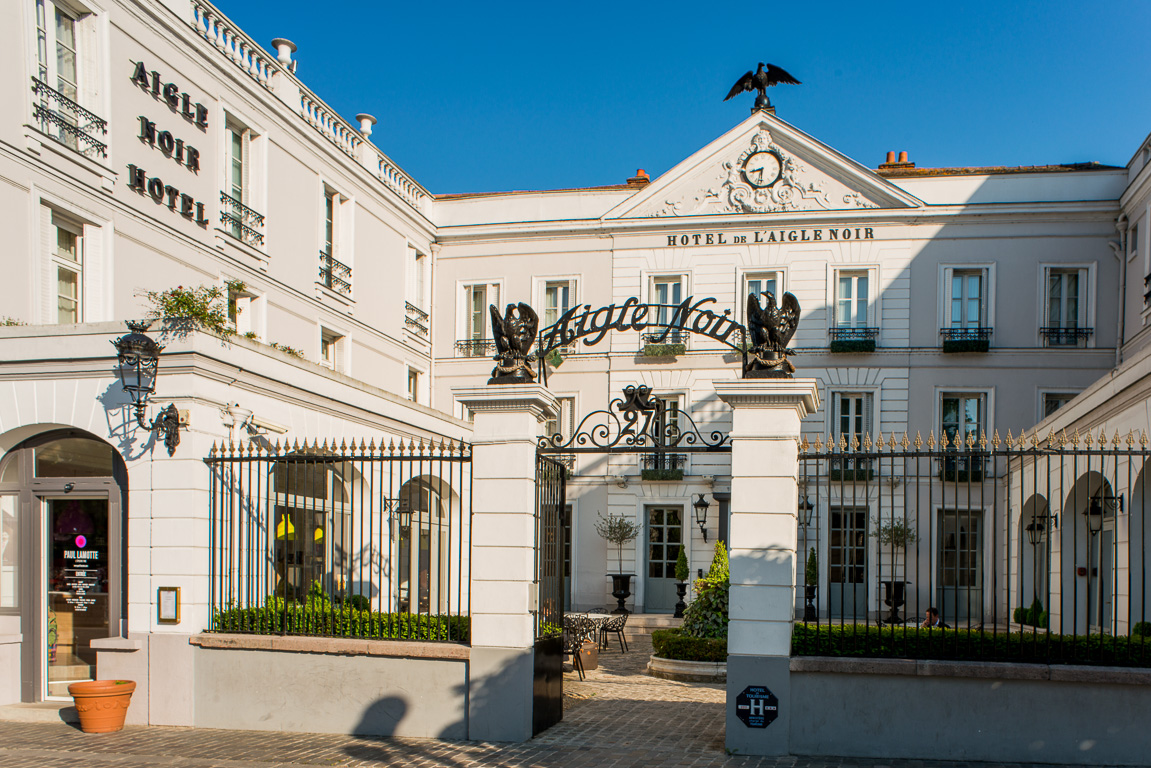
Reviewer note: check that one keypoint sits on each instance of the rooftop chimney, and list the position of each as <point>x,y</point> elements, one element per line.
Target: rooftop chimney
<point>902,164</point>
<point>640,180</point>
<point>284,50</point>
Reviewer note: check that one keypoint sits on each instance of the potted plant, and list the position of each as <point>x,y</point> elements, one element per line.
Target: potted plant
<point>102,704</point>
<point>618,530</point>
<point>895,534</point>
<point>681,575</point>
<point>810,586</point>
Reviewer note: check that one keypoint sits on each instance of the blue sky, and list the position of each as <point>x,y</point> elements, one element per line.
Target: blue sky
<point>478,97</point>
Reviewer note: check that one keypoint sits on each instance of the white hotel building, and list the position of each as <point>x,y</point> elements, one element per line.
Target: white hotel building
<point>152,144</point>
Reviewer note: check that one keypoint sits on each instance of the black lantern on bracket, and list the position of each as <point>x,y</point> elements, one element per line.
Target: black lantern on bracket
<point>806,511</point>
<point>139,358</point>
<point>1094,515</point>
<point>701,506</point>
<point>1035,532</point>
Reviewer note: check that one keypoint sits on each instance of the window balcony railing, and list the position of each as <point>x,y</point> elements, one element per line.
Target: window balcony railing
<point>67,122</point>
<point>1147,291</point>
<point>416,319</point>
<point>973,339</point>
<point>335,275</point>
<point>476,347</point>
<point>962,469</point>
<point>852,339</point>
<point>240,221</point>
<point>1065,337</point>
<point>661,344</point>
<point>663,466</point>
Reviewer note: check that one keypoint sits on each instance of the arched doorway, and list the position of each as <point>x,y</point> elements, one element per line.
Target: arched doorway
<point>63,497</point>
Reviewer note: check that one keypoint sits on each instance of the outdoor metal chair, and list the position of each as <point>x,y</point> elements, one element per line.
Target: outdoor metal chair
<point>615,626</point>
<point>573,644</point>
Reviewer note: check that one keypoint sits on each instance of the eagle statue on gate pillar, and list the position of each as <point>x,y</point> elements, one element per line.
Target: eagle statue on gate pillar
<point>514,334</point>
<point>771,329</point>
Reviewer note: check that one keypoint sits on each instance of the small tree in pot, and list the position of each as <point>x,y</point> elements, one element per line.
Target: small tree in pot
<point>682,572</point>
<point>618,530</point>
<point>810,585</point>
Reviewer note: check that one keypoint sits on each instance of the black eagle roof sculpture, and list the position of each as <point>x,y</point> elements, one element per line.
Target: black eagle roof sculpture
<point>760,80</point>
<point>771,329</point>
<point>514,334</point>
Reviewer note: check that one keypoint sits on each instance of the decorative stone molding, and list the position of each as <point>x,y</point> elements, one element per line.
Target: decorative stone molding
<point>688,671</point>
<point>796,188</point>
<point>533,398</point>
<point>802,394</point>
<point>407,649</point>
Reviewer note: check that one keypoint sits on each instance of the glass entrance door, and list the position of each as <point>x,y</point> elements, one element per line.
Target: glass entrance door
<point>78,609</point>
<point>664,538</point>
<point>847,563</point>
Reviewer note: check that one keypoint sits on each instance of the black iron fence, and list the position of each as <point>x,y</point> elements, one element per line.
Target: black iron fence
<point>1008,550</point>
<point>350,541</point>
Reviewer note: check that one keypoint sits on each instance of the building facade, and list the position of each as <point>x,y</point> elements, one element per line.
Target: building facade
<point>153,145</point>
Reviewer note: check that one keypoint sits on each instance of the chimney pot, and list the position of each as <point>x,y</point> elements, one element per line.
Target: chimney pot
<point>903,156</point>
<point>366,122</point>
<point>890,157</point>
<point>284,50</point>
<point>641,179</point>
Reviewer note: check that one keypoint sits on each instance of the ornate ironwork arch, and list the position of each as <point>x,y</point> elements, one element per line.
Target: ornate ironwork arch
<point>637,422</point>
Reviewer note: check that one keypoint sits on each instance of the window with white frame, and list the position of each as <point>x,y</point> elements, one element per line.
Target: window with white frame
<point>666,432</point>
<point>62,106</point>
<point>238,217</point>
<point>559,297</point>
<point>1050,402</point>
<point>332,349</point>
<point>963,418</point>
<point>475,340</point>
<point>1065,307</point>
<point>416,317</point>
<point>851,422</point>
<point>668,291</point>
<point>759,283</point>
<point>241,313</point>
<point>335,247</point>
<point>67,249</point>
<point>413,385</point>
<point>966,299</point>
<point>963,415</point>
<point>562,424</point>
<point>852,298</point>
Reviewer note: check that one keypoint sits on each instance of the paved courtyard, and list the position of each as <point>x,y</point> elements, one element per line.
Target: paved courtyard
<point>617,718</point>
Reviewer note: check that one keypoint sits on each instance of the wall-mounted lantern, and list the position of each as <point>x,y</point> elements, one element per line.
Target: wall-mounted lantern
<point>139,358</point>
<point>701,506</point>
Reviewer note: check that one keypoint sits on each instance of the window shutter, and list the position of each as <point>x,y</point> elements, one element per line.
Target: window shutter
<point>246,166</point>
<point>92,271</point>
<point>47,313</point>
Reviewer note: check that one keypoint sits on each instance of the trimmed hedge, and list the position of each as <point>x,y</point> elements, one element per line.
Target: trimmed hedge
<point>336,621</point>
<point>905,642</point>
<point>673,644</point>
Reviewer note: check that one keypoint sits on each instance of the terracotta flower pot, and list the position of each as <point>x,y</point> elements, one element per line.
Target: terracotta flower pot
<point>102,704</point>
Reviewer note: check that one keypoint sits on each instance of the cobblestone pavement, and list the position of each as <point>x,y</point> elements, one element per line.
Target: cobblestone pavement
<point>617,718</point>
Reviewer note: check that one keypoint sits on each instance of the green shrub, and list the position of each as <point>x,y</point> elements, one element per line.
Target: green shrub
<point>909,642</point>
<point>204,307</point>
<point>681,570</point>
<point>664,350</point>
<point>1034,616</point>
<point>811,572</point>
<point>1142,628</point>
<point>321,618</point>
<point>706,617</point>
<point>674,644</point>
<point>661,474</point>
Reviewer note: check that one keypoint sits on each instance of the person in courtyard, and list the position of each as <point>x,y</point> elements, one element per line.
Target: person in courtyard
<point>931,619</point>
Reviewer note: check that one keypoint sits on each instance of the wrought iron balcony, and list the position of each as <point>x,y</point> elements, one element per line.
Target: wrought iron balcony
<point>334,274</point>
<point>1147,291</point>
<point>67,122</point>
<point>476,347</point>
<point>962,468</point>
<point>663,466</point>
<point>974,339</point>
<point>663,344</point>
<point>1065,337</point>
<point>846,338</point>
<point>416,319</point>
<point>240,221</point>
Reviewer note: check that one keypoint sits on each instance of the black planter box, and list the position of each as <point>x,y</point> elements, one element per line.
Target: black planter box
<point>966,345</point>
<point>853,346</point>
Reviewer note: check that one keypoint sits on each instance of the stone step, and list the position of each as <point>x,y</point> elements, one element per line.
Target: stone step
<point>41,712</point>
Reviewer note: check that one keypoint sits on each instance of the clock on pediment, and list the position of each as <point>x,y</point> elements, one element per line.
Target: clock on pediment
<point>762,169</point>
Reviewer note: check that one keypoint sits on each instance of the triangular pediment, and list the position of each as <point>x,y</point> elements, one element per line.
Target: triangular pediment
<point>763,166</point>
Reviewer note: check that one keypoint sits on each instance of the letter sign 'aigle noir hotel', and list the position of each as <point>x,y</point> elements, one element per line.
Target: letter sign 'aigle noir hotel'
<point>176,149</point>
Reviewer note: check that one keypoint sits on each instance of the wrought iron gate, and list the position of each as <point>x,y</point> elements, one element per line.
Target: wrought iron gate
<point>547,708</point>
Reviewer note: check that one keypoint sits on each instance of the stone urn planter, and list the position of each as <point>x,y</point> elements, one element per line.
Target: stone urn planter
<point>621,589</point>
<point>102,704</point>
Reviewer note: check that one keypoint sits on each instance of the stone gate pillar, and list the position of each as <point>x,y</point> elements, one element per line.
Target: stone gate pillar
<point>766,414</point>
<point>507,423</point>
